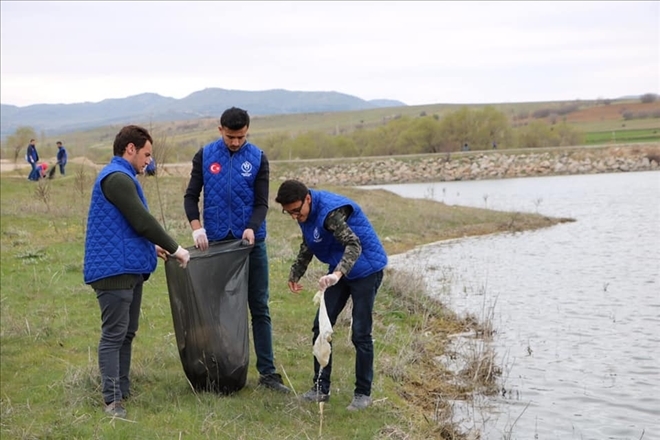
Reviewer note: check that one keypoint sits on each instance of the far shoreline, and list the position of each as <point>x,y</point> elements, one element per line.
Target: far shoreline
<point>433,167</point>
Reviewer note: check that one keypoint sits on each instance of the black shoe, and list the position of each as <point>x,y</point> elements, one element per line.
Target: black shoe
<point>274,382</point>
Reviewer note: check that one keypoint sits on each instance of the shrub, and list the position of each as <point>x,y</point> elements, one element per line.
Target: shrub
<point>648,98</point>
<point>541,113</point>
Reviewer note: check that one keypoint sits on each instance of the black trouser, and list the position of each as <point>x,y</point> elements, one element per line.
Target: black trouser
<point>363,293</point>
<point>120,315</point>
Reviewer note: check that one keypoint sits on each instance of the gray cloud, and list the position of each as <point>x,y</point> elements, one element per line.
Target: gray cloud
<point>417,52</point>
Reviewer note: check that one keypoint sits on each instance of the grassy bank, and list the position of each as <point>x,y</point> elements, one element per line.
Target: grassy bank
<point>50,326</point>
<point>614,136</point>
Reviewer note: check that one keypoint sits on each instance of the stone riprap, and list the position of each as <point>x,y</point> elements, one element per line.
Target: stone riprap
<point>475,166</point>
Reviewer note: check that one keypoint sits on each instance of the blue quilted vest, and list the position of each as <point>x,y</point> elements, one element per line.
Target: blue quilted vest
<point>112,247</point>
<point>327,249</point>
<point>229,190</point>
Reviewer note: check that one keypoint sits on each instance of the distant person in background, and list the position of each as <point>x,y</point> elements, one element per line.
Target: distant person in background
<point>43,170</point>
<point>61,156</point>
<point>33,157</point>
<point>151,168</point>
<point>494,145</point>
<point>121,245</point>
<point>466,147</point>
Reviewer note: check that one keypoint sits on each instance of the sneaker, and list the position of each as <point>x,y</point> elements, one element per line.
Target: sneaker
<point>315,395</point>
<point>360,401</point>
<point>116,409</point>
<point>274,382</point>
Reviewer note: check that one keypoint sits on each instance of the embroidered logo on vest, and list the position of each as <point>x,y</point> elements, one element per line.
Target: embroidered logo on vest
<point>246,167</point>
<point>215,168</point>
<point>317,236</point>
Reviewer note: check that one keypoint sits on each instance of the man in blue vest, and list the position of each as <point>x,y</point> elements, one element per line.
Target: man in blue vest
<point>337,232</point>
<point>122,243</point>
<point>151,168</point>
<point>32,156</point>
<point>61,156</point>
<point>234,175</point>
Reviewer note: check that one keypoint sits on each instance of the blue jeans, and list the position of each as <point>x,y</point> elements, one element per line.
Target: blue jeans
<point>262,332</point>
<point>62,165</point>
<point>120,315</point>
<point>35,173</point>
<point>363,293</point>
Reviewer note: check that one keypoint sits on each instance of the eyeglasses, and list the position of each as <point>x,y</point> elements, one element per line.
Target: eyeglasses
<point>294,212</point>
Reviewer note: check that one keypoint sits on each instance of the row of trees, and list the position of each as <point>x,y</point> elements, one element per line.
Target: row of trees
<point>479,128</point>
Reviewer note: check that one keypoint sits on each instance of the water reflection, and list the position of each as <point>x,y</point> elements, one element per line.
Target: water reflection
<point>576,306</point>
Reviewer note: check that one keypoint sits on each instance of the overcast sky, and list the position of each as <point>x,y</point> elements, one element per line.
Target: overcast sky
<point>415,52</point>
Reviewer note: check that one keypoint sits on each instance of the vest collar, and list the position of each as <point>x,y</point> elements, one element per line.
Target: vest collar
<point>314,206</point>
<point>120,161</point>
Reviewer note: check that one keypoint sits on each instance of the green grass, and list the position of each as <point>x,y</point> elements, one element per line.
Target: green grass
<point>623,136</point>
<point>50,328</point>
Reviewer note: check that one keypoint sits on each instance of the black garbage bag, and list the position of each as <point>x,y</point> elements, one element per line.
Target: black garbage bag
<point>210,312</point>
<point>51,171</point>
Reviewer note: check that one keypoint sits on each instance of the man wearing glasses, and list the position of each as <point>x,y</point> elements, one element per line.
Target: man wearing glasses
<point>337,232</point>
<point>234,175</point>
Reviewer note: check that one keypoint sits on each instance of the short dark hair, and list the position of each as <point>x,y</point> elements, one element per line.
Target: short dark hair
<point>235,118</point>
<point>131,134</point>
<point>291,191</point>
<point>58,142</point>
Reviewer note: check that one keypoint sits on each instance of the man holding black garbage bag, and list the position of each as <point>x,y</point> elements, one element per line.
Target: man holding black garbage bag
<point>234,175</point>
<point>122,242</point>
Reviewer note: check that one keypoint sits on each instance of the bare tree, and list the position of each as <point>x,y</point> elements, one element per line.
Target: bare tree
<point>161,151</point>
<point>19,141</point>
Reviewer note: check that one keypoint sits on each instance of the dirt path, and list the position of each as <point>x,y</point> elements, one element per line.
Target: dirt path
<point>6,165</point>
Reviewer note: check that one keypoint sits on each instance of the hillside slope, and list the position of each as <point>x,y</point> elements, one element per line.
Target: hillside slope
<point>147,107</point>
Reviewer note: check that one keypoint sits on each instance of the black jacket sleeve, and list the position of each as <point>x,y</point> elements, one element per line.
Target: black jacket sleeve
<point>261,188</point>
<point>195,185</point>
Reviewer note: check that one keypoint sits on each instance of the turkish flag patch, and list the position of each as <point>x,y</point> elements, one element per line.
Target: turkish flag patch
<point>215,168</point>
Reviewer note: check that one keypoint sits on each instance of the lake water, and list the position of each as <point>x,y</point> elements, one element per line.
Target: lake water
<point>576,307</point>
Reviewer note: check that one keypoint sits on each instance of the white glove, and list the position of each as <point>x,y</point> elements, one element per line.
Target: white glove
<point>327,281</point>
<point>183,256</point>
<point>200,238</point>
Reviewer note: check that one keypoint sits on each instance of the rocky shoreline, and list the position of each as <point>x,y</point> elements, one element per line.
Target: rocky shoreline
<point>439,167</point>
<point>472,166</point>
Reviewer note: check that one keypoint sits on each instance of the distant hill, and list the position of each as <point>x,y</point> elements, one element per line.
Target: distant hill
<point>211,102</point>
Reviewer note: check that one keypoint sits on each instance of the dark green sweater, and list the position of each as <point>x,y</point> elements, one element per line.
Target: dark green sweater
<point>120,190</point>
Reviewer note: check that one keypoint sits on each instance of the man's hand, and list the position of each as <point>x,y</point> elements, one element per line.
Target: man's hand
<point>183,256</point>
<point>248,235</point>
<point>161,253</point>
<point>200,238</point>
<point>328,280</point>
<point>295,287</point>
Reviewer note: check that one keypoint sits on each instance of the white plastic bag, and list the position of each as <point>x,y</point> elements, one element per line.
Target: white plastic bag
<point>322,348</point>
